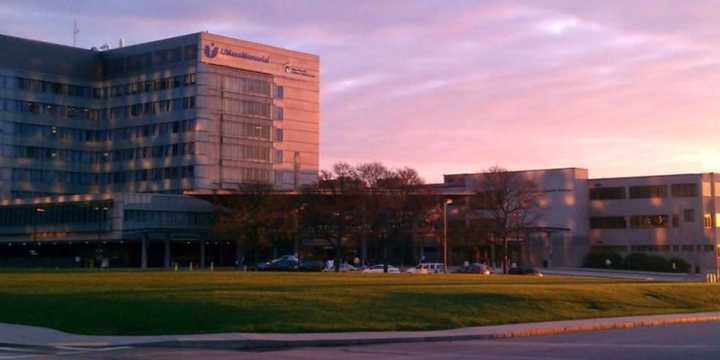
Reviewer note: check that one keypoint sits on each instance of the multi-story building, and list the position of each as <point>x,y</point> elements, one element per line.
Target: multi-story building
<point>670,215</point>
<point>560,234</point>
<point>198,113</point>
<point>667,215</point>
<point>194,114</point>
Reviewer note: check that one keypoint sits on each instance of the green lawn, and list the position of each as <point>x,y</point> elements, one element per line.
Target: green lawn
<point>166,302</point>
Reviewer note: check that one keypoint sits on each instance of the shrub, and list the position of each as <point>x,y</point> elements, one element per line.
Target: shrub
<point>597,259</point>
<point>646,262</point>
<point>681,265</point>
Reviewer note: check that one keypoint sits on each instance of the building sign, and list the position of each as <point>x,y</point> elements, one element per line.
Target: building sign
<point>211,51</point>
<point>297,71</point>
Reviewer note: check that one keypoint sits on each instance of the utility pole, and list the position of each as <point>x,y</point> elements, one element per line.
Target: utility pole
<point>445,243</point>
<point>76,31</point>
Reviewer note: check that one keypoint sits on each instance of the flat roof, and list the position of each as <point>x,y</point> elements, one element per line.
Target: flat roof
<point>46,43</point>
<point>518,171</point>
<point>650,176</point>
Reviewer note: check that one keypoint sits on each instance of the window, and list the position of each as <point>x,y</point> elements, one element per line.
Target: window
<point>190,52</point>
<point>278,135</point>
<point>189,79</point>
<point>648,221</point>
<point>684,190</point>
<point>689,215</point>
<point>278,113</point>
<point>278,156</point>
<point>607,193</point>
<point>607,222</point>
<point>707,221</point>
<point>648,192</point>
<point>279,92</point>
<point>189,103</point>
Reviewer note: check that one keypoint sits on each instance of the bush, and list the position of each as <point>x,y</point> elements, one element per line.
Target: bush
<point>646,262</point>
<point>597,259</point>
<point>681,265</point>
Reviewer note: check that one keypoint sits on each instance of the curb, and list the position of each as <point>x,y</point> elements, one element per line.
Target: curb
<point>532,329</point>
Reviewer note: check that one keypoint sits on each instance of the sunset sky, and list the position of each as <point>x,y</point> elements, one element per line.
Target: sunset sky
<point>620,87</point>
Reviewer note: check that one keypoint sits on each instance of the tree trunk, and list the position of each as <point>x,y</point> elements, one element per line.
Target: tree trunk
<point>492,255</point>
<point>505,256</point>
<point>385,255</point>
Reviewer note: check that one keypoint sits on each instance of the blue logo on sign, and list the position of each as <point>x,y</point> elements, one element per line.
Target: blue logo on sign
<point>211,51</point>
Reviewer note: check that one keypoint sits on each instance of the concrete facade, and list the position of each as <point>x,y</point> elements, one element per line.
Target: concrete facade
<point>195,113</point>
<point>666,215</point>
<point>561,237</point>
<point>671,215</point>
<point>97,147</point>
<point>119,229</point>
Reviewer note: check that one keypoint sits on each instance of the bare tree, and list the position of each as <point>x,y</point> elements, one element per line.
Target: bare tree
<point>509,202</point>
<point>247,220</point>
<point>330,207</point>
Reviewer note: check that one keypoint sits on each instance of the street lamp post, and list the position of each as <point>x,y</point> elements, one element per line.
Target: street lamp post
<point>39,211</point>
<point>445,243</point>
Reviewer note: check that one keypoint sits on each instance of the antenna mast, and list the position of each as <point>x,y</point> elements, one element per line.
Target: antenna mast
<point>76,31</point>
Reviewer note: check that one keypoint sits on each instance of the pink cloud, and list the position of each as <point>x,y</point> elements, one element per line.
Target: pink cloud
<point>621,87</point>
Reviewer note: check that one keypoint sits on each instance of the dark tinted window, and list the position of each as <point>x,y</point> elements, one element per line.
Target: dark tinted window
<point>607,193</point>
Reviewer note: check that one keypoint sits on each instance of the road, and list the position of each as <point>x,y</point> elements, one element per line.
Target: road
<point>687,341</point>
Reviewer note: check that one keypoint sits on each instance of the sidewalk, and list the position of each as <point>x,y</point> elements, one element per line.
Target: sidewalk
<point>624,274</point>
<point>21,335</point>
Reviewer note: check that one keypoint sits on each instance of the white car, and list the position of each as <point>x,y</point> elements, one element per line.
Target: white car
<point>381,269</point>
<point>343,268</point>
<point>428,268</point>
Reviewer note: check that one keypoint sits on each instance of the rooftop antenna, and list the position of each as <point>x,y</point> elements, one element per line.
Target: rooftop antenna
<point>76,31</point>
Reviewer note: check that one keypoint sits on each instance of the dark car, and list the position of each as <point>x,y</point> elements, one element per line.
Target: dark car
<point>525,271</point>
<point>311,265</point>
<point>475,268</point>
<point>283,263</point>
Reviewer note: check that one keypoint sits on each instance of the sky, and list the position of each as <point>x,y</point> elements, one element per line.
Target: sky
<point>620,87</point>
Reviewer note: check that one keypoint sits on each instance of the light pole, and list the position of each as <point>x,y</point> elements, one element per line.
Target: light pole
<point>39,211</point>
<point>445,243</point>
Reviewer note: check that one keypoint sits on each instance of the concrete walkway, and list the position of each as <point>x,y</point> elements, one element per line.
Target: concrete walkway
<point>625,274</point>
<point>21,335</point>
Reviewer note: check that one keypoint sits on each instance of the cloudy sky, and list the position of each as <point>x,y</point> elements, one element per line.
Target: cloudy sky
<point>618,86</point>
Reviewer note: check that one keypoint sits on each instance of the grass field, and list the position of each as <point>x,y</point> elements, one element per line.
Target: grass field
<point>124,303</point>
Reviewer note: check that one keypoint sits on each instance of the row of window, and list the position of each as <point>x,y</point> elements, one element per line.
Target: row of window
<point>93,157</point>
<point>167,217</point>
<point>118,177</point>
<point>145,86</point>
<point>135,87</point>
<point>247,174</point>
<point>152,108</point>
<point>85,135</point>
<point>247,85</point>
<point>643,192</point>
<point>673,248</point>
<point>83,113</point>
<point>85,213</point>
<point>252,108</point>
<point>641,221</point>
<point>246,152</point>
<point>657,248</point>
<point>113,65</point>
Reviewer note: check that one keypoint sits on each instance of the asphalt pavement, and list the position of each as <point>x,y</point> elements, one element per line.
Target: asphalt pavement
<point>684,341</point>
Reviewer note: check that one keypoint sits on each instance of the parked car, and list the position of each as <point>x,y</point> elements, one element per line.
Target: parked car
<point>476,268</point>
<point>311,265</point>
<point>283,263</point>
<point>343,268</point>
<point>381,269</point>
<point>428,268</point>
<point>525,271</point>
